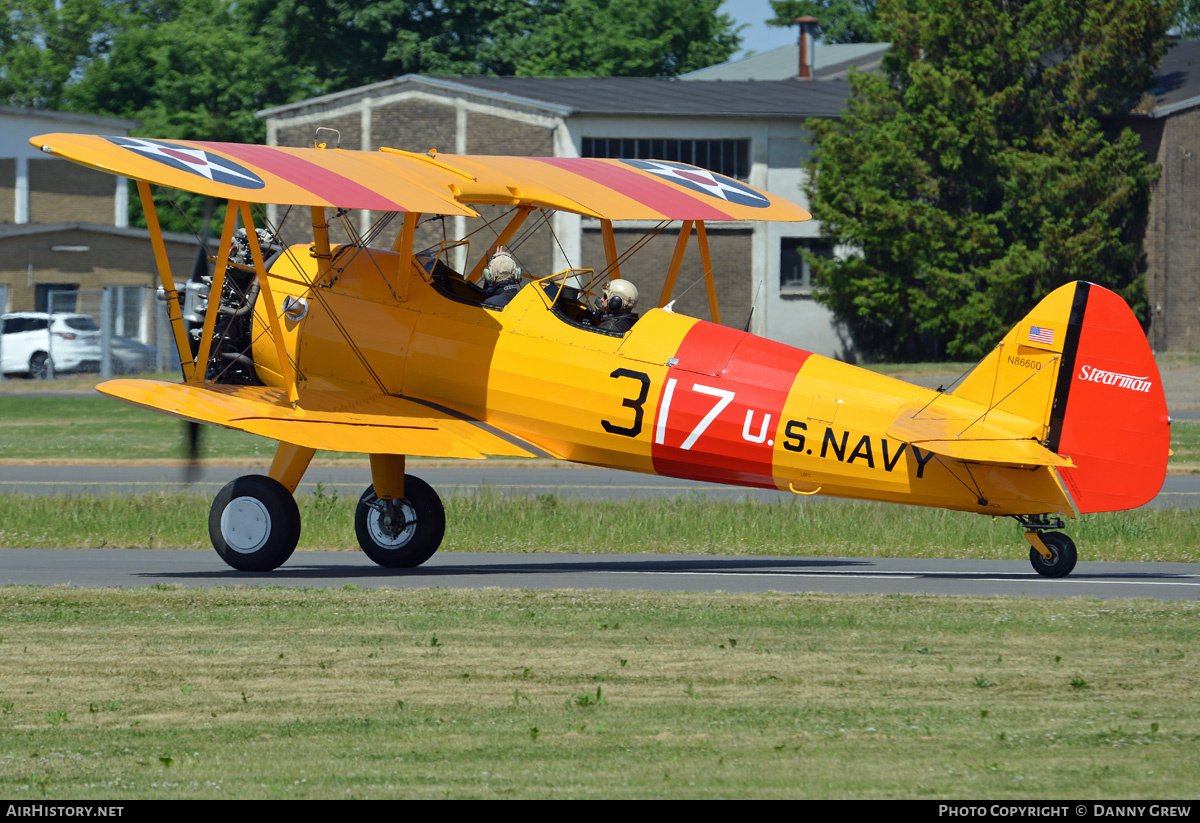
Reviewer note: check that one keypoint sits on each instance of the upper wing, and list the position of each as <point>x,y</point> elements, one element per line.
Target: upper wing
<point>613,189</point>
<point>327,420</point>
<point>391,180</point>
<point>265,174</point>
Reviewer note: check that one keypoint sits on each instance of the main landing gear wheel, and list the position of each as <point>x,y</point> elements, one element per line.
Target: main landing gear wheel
<point>254,523</point>
<point>1064,556</point>
<point>404,533</point>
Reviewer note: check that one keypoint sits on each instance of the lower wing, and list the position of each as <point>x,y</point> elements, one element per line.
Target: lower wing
<point>328,420</point>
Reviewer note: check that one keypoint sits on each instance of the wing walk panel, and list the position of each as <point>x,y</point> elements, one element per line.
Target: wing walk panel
<point>327,420</point>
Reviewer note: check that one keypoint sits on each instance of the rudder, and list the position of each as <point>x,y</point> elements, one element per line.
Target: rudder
<point>1081,364</point>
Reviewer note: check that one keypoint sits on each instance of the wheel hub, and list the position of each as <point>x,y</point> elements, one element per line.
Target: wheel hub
<point>245,525</point>
<point>392,523</point>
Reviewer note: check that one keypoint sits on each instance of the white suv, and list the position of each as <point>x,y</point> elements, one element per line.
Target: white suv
<point>31,338</point>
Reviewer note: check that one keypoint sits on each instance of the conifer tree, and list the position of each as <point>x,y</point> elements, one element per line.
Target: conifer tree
<point>981,170</point>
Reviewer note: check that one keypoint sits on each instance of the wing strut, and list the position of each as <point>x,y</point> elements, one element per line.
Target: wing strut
<point>706,266</point>
<point>404,245</point>
<point>505,235</point>
<point>260,269</point>
<point>168,281</point>
<point>685,233</point>
<point>214,294</point>
<point>321,250</point>
<point>612,262</point>
<point>706,263</point>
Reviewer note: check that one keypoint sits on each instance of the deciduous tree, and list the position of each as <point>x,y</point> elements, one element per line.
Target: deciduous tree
<point>44,45</point>
<point>839,21</point>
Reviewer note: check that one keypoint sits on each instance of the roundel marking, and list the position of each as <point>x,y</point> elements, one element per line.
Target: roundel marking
<point>703,181</point>
<point>193,160</point>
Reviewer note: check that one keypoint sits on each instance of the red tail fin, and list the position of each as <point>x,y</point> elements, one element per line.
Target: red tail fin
<point>1109,414</point>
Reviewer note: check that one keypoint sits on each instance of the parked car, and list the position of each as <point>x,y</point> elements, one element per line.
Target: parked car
<point>132,356</point>
<point>30,339</point>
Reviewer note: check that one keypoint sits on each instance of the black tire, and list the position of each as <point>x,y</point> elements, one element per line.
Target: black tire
<point>414,533</point>
<point>1063,561</point>
<point>254,523</point>
<point>39,366</point>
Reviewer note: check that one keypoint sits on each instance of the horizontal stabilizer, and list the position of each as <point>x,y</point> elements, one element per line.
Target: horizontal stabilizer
<point>326,420</point>
<point>966,431</point>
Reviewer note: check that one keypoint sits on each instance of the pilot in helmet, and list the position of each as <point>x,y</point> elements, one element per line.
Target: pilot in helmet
<point>503,278</point>
<point>615,307</point>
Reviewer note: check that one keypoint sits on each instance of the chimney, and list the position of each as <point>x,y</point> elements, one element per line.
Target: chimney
<point>806,25</point>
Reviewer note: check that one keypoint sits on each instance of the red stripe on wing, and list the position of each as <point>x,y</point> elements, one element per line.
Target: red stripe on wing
<point>326,184</point>
<point>659,196</point>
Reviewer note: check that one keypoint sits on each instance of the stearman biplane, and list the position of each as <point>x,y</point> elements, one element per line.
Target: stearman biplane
<point>390,352</point>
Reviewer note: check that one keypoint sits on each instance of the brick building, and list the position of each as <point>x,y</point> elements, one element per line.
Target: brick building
<point>65,228</point>
<point>1168,121</point>
<point>749,130</point>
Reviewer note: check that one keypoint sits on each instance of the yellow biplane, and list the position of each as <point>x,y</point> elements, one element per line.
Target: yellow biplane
<point>393,352</point>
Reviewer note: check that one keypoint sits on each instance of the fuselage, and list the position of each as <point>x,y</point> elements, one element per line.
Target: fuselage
<point>675,396</point>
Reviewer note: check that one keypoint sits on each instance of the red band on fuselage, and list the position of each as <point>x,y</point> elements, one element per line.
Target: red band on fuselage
<point>662,197</point>
<point>723,428</point>
<point>328,185</point>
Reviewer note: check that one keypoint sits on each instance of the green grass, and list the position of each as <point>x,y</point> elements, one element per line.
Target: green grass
<point>268,693</point>
<point>95,428</point>
<point>492,522</point>
<point>1185,443</point>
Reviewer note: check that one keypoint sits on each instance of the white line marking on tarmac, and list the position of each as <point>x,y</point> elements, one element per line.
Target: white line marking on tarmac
<point>1000,578</point>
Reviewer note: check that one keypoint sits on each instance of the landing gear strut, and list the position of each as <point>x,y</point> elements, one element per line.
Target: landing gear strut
<point>1052,553</point>
<point>402,533</point>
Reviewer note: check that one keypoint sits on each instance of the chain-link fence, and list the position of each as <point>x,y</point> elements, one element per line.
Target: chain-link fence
<point>115,331</point>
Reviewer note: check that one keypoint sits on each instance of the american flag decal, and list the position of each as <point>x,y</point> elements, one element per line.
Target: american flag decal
<point>1039,334</point>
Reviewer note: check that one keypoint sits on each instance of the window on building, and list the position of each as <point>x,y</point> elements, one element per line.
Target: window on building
<point>728,157</point>
<point>795,276</point>
<point>55,297</point>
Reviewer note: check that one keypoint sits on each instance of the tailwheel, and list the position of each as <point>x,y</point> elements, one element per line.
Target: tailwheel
<point>254,523</point>
<point>402,533</point>
<point>1062,559</point>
